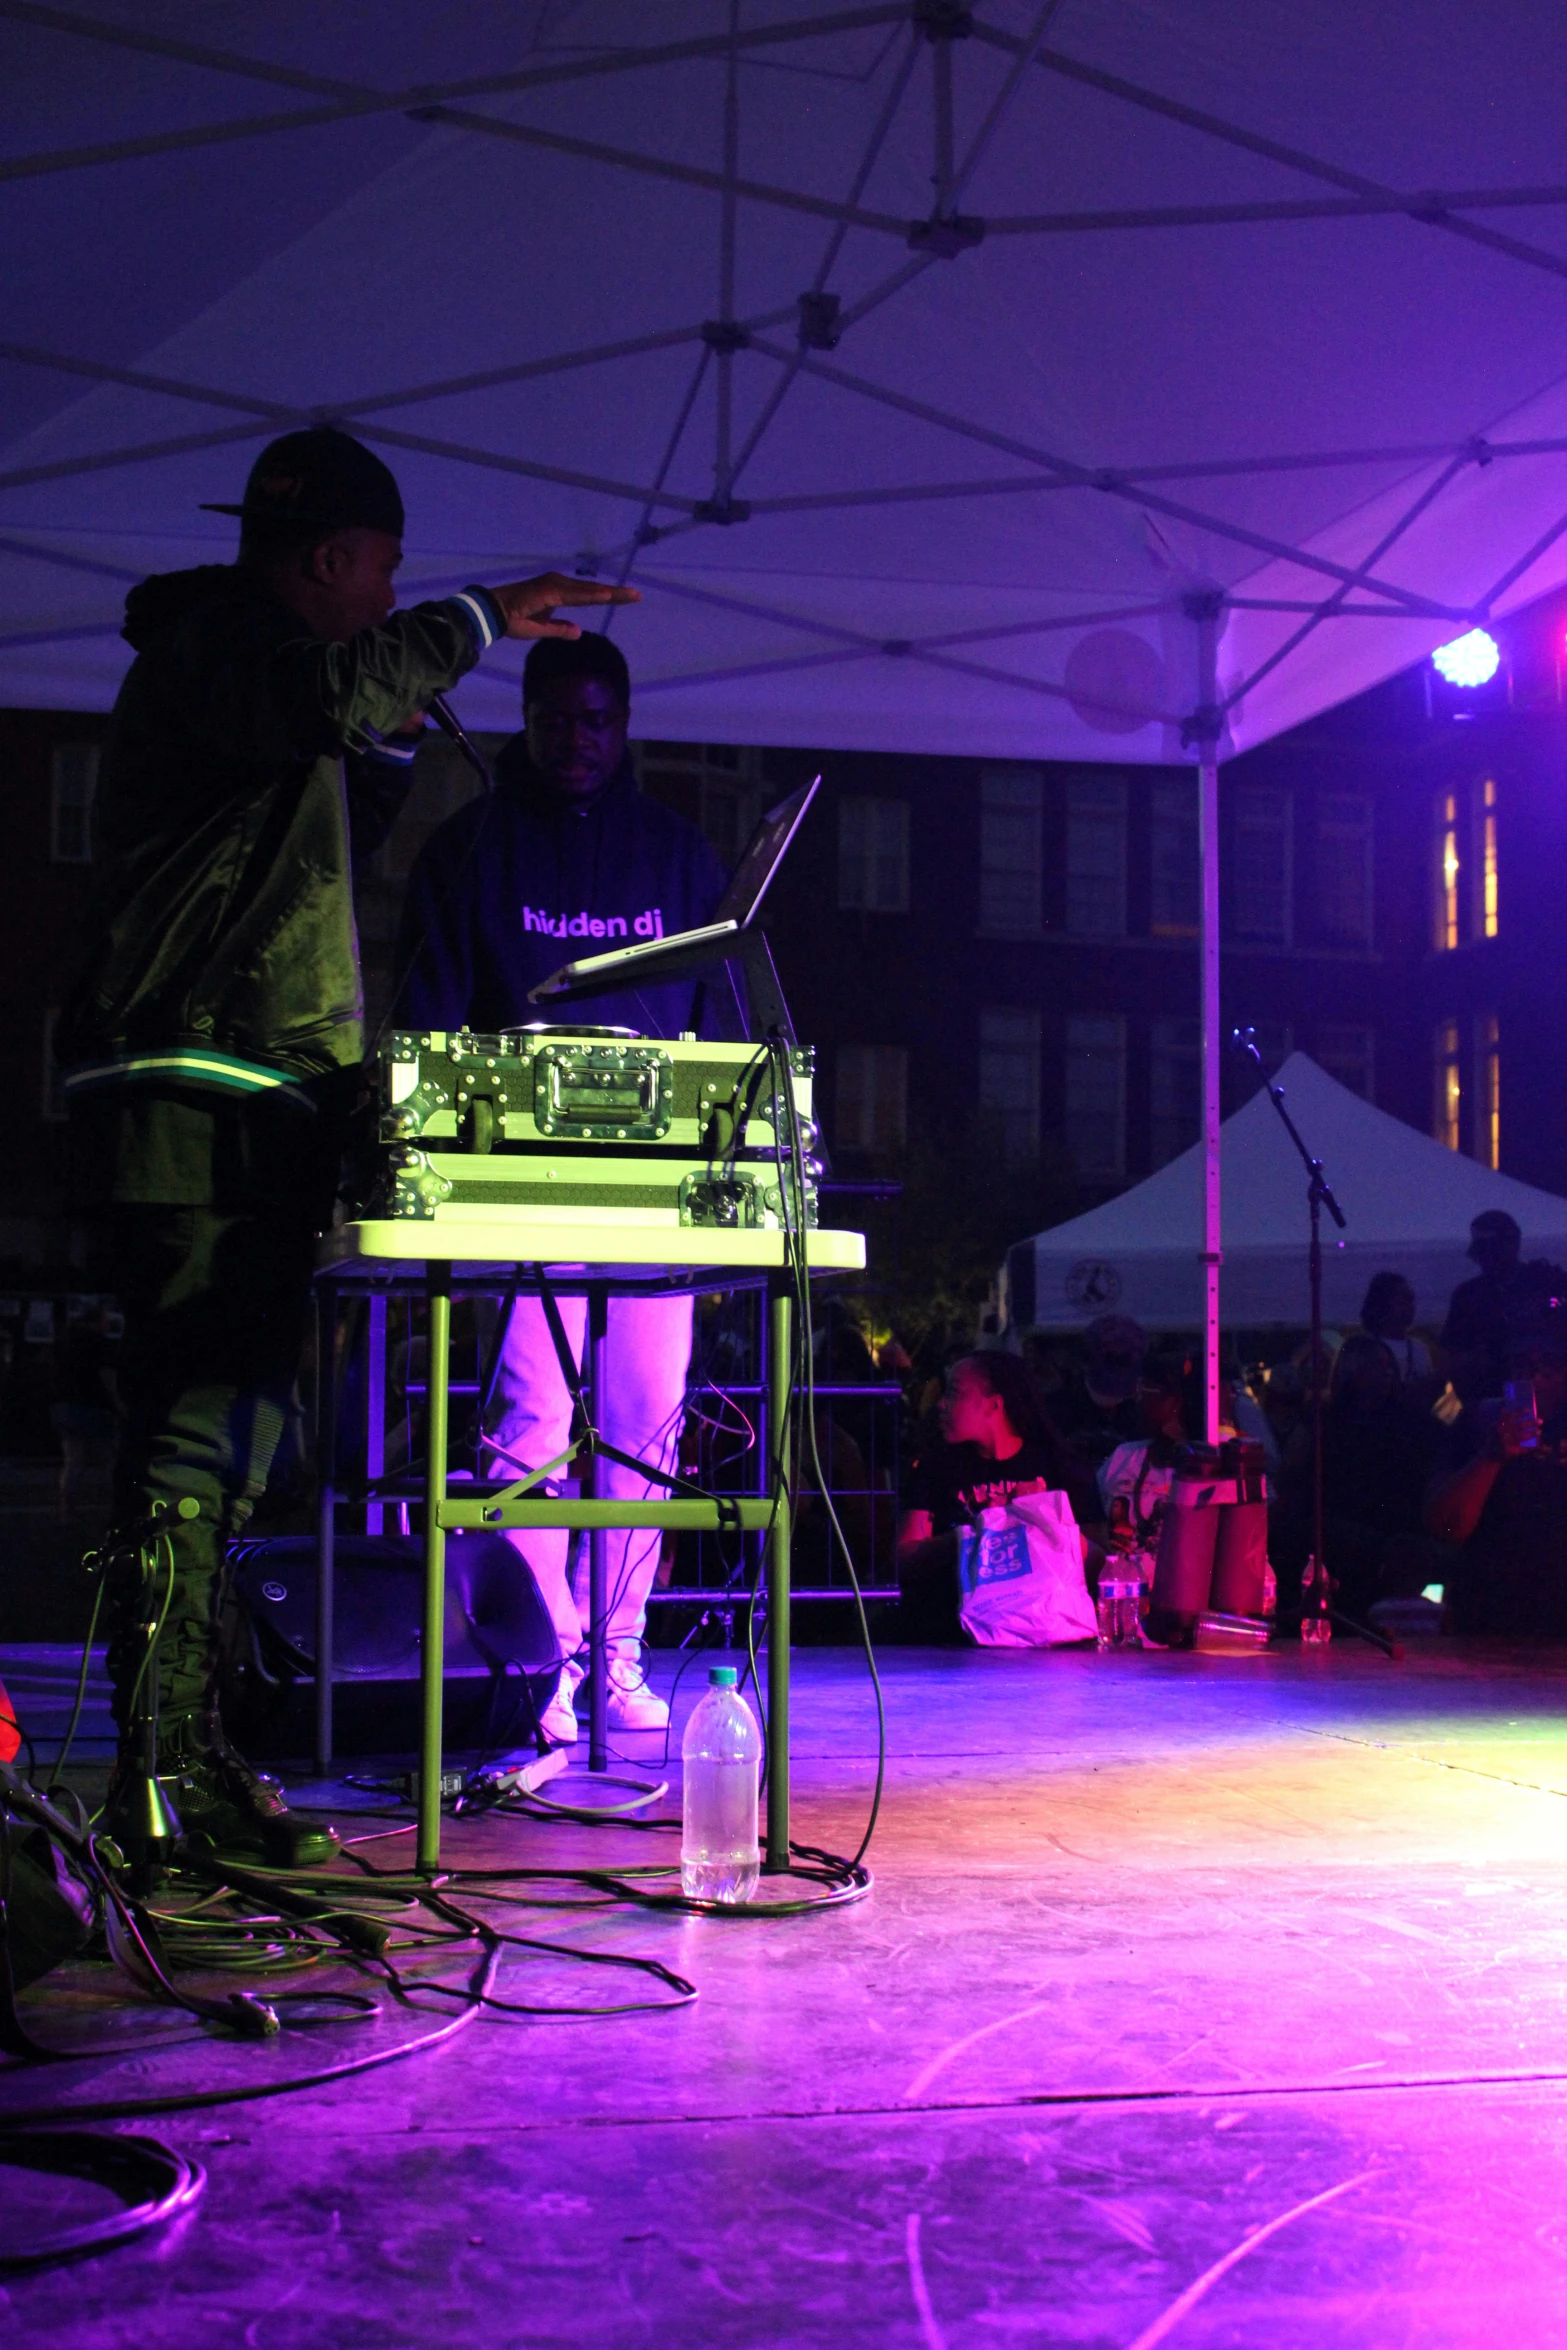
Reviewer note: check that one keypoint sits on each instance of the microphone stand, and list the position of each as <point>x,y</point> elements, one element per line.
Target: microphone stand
<point>1318,1614</point>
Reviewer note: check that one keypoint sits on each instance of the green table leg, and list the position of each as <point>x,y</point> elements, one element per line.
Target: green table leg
<point>598,1539</point>
<point>780,1369</point>
<point>432,1650</point>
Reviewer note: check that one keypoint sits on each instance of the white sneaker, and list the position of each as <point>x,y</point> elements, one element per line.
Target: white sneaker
<point>634,1706</point>
<point>559,1720</point>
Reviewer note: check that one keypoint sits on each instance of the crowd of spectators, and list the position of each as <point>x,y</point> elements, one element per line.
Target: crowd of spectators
<point>1444,1458</point>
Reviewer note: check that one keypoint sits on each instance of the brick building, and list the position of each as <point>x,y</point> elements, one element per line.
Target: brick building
<point>1007,954</point>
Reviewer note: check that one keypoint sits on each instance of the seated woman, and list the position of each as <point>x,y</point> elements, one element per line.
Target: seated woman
<point>1134,1483</point>
<point>996,1440</point>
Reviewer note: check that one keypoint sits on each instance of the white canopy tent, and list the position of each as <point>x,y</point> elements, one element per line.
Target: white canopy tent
<point>1069,379</point>
<point>1408,1204</point>
<point>918,360</point>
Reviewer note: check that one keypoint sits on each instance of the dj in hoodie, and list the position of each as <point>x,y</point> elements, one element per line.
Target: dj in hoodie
<point>567,857</point>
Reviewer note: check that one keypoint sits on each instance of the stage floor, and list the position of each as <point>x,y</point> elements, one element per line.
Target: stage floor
<point>1205,2000</point>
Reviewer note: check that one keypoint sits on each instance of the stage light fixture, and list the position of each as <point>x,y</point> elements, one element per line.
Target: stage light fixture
<point>1469,660</point>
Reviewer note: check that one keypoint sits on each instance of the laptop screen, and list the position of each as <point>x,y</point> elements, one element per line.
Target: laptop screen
<point>762,856</point>
<point>734,913</point>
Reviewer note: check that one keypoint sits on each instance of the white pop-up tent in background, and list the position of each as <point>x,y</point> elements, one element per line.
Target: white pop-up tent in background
<point>1086,380</point>
<point>1408,1204</point>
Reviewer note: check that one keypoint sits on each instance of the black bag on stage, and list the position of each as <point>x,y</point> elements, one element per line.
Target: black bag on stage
<point>47,1913</point>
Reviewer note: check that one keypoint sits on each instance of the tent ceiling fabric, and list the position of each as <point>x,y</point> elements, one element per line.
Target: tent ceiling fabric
<point>1111,306</point>
<point>1407,1201</point>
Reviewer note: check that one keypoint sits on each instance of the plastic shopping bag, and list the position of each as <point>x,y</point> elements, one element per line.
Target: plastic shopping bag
<point>1020,1575</point>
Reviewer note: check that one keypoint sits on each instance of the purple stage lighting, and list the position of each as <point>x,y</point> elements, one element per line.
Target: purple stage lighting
<point>1468,660</point>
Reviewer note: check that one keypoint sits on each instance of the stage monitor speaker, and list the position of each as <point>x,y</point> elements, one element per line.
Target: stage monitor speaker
<point>498,1635</point>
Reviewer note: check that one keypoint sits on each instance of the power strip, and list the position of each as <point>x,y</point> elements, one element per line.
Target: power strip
<point>528,1777</point>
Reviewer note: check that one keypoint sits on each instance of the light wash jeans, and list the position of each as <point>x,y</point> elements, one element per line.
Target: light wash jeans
<point>649,1345</point>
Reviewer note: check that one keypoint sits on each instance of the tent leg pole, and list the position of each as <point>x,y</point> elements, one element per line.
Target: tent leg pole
<point>1203,731</point>
<point>1212,1052</point>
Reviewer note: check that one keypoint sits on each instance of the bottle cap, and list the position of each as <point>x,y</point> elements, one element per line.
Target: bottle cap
<point>721,1676</point>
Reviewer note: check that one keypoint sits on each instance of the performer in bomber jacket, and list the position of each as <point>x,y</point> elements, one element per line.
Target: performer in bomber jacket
<point>215,1031</point>
<point>568,857</point>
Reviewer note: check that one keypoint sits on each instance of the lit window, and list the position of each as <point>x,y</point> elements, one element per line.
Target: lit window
<point>72,783</point>
<point>1344,869</point>
<point>873,1091</point>
<point>1175,899</point>
<point>1488,1090</point>
<point>1011,857</point>
<point>1009,1080</point>
<point>1263,838</point>
<point>1484,911</point>
<point>1444,874</point>
<point>873,856</point>
<point>1447,1090</point>
<point>1096,1096</point>
<point>1096,857</point>
<point>1174,1088</point>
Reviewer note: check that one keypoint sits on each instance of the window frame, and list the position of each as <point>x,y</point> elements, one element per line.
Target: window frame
<point>1250,801</point>
<point>878,815</point>
<point>1333,827</point>
<point>1111,811</point>
<point>1113,1169</point>
<point>1447,1084</point>
<point>1004,875</point>
<point>877,1063</point>
<point>1173,818</point>
<point>1023,1048</point>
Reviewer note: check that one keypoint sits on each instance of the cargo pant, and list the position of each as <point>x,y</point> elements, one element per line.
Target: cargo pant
<point>216,1308</point>
<point>649,1347</point>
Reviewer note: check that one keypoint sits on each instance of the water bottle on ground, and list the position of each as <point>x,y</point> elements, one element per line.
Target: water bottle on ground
<point>720,1859</point>
<point>1316,1627</point>
<point>1119,1603</point>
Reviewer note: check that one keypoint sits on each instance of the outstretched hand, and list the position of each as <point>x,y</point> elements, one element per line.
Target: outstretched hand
<point>530,603</point>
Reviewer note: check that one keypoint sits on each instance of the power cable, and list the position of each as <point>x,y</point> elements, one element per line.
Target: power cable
<point>154,2183</point>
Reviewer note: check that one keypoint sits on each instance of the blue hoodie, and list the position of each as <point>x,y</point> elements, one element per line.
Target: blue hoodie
<point>521,881</point>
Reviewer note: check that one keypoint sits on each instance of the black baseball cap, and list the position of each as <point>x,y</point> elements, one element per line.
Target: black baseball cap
<point>320,479</point>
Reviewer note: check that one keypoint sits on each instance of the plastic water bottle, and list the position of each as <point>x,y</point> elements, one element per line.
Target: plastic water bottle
<point>1119,1606</point>
<point>1316,1627</point>
<point>720,1859</point>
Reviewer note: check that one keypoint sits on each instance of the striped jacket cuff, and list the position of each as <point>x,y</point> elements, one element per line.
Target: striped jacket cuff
<point>393,754</point>
<point>483,615</point>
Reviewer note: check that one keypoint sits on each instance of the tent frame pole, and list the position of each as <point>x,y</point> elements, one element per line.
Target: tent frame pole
<point>1202,732</point>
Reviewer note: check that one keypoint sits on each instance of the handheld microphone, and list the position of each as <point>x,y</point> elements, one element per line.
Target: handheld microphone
<point>447,720</point>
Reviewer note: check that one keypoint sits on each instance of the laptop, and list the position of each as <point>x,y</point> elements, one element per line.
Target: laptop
<point>735,913</point>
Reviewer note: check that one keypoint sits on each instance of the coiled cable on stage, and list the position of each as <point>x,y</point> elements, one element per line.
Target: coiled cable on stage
<point>154,2185</point>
